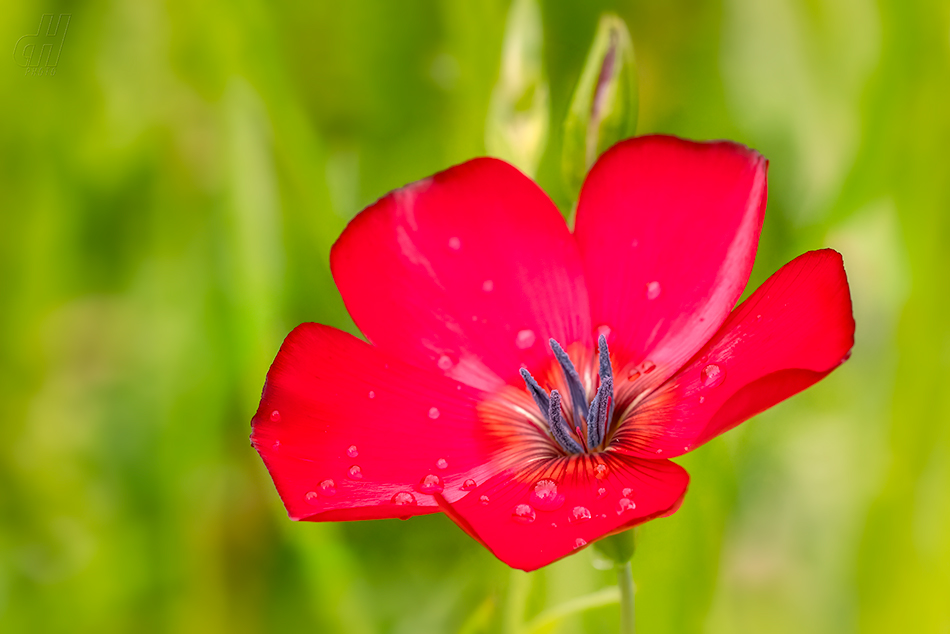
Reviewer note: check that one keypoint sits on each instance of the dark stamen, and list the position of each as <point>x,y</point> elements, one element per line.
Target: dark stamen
<point>540,396</point>
<point>574,385</point>
<point>605,373</point>
<point>597,414</point>
<point>559,427</point>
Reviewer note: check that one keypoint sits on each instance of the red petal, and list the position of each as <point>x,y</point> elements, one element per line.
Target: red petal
<point>529,532</point>
<point>332,402</point>
<point>789,334</point>
<point>468,272</point>
<point>667,231</point>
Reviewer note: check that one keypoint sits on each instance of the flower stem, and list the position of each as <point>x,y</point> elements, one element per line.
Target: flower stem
<point>625,581</point>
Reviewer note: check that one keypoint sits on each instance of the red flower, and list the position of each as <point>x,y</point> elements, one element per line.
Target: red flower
<point>493,329</point>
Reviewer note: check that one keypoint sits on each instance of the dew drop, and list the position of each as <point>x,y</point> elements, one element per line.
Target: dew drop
<point>653,290</point>
<point>355,473</point>
<point>276,445</point>
<point>633,375</point>
<point>712,375</point>
<point>686,448</point>
<point>627,491</point>
<point>372,394</point>
<point>488,286</point>
<point>523,514</point>
<point>454,243</point>
<point>352,451</point>
<point>624,505</point>
<point>647,366</point>
<point>484,500</point>
<point>580,542</point>
<point>545,496</point>
<point>579,514</point>
<point>601,492</point>
<point>524,339</point>
<point>444,363</point>
<point>327,488</point>
<point>442,463</point>
<point>433,412</point>
<point>604,330</point>
<point>553,525</point>
<point>430,484</point>
<point>659,451</point>
<point>603,516</point>
<point>312,497</point>
<point>468,485</point>
<point>702,399</point>
<point>275,416</point>
<point>600,471</point>
<point>404,498</point>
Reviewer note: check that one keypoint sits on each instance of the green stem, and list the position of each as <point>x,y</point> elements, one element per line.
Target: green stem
<point>628,623</point>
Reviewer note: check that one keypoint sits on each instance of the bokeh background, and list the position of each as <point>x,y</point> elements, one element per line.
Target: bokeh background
<point>168,201</point>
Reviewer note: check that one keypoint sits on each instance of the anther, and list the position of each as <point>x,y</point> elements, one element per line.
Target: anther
<point>574,385</point>
<point>540,396</point>
<point>606,372</point>
<point>559,427</point>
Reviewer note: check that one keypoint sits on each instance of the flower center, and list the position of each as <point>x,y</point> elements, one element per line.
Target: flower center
<point>590,419</point>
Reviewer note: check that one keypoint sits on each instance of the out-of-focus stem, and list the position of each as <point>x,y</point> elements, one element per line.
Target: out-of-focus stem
<point>625,581</point>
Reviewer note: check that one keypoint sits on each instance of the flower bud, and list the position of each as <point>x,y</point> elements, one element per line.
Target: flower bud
<point>617,548</point>
<point>517,126</point>
<point>604,106</point>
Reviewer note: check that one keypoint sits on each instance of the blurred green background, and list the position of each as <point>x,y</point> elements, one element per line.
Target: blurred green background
<point>168,200</point>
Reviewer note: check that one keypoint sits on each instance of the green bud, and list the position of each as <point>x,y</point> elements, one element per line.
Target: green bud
<point>604,106</point>
<point>518,114</point>
<point>617,548</point>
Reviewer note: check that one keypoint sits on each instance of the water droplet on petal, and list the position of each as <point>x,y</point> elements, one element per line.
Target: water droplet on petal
<point>653,290</point>
<point>545,496</point>
<point>686,448</point>
<point>659,451</point>
<point>484,500</point>
<point>624,505</point>
<point>633,375</point>
<point>454,243</point>
<point>404,498</point>
<point>579,514</point>
<point>523,514</point>
<point>524,339</point>
<point>600,471</point>
<point>604,330</point>
<point>442,463</point>
<point>372,394</point>
<point>433,412</point>
<point>275,416</point>
<point>430,484</point>
<point>352,451</point>
<point>601,492</point>
<point>627,491</point>
<point>647,366</point>
<point>327,488</point>
<point>712,375</point>
<point>276,445</point>
<point>580,542</point>
<point>312,497</point>
<point>702,399</point>
<point>468,485</point>
<point>355,473</point>
<point>488,286</point>
<point>444,363</point>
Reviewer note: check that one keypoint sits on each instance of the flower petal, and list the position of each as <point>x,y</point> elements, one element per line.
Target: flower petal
<point>527,525</point>
<point>667,230</point>
<point>350,433</point>
<point>791,332</point>
<point>469,272</point>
